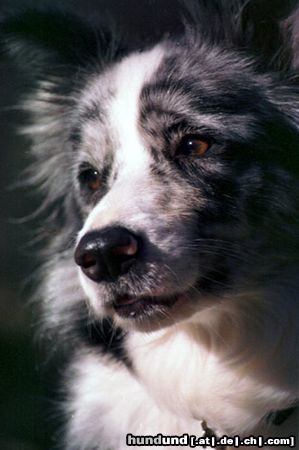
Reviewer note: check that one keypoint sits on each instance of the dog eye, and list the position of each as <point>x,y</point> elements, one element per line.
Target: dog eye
<point>90,179</point>
<point>193,145</point>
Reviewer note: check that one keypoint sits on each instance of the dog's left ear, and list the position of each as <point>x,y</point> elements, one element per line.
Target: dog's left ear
<point>43,41</point>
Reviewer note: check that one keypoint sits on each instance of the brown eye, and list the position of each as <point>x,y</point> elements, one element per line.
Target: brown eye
<point>90,179</point>
<point>193,145</point>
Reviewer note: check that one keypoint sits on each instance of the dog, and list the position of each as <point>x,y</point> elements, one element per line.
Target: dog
<point>168,173</point>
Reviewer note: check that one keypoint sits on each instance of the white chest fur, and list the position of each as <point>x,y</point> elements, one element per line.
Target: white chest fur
<point>187,376</point>
<point>230,373</point>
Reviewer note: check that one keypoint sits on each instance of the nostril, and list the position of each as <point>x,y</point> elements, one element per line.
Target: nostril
<point>87,261</point>
<point>84,258</point>
<point>106,254</point>
<point>128,249</point>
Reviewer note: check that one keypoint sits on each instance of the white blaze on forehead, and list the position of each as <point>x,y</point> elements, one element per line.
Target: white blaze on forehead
<point>126,80</point>
<point>129,78</point>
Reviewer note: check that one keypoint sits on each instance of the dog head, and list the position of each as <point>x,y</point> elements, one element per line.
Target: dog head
<point>173,166</point>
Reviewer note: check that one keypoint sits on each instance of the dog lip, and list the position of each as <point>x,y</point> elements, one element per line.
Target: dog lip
<point>133,306</point>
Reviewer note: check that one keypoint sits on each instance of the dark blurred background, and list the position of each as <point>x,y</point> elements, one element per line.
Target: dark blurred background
<point>27,404</point>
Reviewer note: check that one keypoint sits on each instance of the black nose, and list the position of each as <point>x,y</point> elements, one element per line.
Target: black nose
<point>104,255</point>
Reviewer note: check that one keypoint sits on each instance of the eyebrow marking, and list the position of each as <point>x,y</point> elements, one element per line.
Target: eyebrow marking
<point>90,113</point>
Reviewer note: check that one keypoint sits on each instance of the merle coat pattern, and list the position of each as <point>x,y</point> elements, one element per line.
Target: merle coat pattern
<point>171,172</point>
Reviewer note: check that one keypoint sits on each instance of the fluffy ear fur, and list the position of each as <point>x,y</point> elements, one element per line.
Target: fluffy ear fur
<point>267,29</point>
<point>55,51</point>
<point>50,42</point>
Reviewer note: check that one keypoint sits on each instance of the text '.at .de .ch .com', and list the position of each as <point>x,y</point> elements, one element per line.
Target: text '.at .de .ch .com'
<point>192,441</point>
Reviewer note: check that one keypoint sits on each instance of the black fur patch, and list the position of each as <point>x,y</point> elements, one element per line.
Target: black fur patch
<point>106,337</point>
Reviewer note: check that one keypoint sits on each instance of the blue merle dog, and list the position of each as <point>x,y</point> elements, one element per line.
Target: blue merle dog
<point>170,174</point>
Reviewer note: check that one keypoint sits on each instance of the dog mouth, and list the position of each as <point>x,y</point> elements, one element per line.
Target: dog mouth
<point>134,307</point>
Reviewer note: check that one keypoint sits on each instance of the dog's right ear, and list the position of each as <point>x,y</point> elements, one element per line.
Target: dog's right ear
<point>44,41</point>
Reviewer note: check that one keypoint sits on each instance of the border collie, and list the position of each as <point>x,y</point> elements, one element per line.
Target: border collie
<point>170,175</point>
